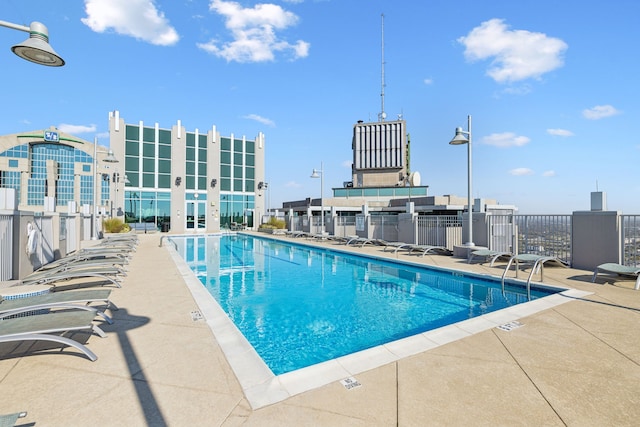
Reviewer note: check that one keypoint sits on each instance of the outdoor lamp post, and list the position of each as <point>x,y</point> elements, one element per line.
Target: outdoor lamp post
<point>460,139</point>
<point>320,174</point>
<point>109,159</point>
<point>36,48</point>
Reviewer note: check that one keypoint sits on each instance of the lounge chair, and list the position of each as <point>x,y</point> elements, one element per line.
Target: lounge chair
<point>297,234</point>
<point>391,245</point>
<point>426,249</point>
<point>108,273</point>
<point>41,327</point>
<point>618,269</point>
<point>85,261</point>
<point>67,300</point>
<point>9,420</point>
<point>537,263</point>
<point>487,254</point>
<point>360,241</point>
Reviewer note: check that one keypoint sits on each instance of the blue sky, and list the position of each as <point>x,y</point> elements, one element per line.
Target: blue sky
<point>552,86</point>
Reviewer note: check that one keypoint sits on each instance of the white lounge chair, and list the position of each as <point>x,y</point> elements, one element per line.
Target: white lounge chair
<point>42,327</point>
<point>361,241</point>
<point>9,420</point>
<point>536,262</point>
<point>67,300</point>
<point>618,269</point>
<point>489,255</point>
<point>427,249</point>
<point>111,274</point>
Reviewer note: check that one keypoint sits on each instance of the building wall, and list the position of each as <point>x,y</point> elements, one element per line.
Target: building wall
<point>193,180</point>
<point>45,166</point>
<point>379,153</point>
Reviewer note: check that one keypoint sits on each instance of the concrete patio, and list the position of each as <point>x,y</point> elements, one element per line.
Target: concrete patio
<point>575,364</point>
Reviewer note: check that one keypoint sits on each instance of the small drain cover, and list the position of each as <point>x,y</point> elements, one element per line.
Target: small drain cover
<point>196,315</point>
<point>510,326</point>
<point>350,383</point>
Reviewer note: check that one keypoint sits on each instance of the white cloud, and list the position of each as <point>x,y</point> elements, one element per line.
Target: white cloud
<point>559,132</point>
<point>428,81</point>
<point>518,90</point>
<point>549,173</point>
<point>254,33</point>
<point>521,171</point>
<point>600,112</point>
<point>137,18</point>
<point>260,119</point>
<point>517,54</point>
<point>347,164</point>
<point>293,184</point>
<point>505,139</point>
<point>75,129</point>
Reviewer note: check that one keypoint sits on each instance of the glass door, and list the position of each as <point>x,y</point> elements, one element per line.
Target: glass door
<point>196,215</point>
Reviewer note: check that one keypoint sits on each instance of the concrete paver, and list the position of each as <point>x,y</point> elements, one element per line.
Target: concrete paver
<point>573,364</point>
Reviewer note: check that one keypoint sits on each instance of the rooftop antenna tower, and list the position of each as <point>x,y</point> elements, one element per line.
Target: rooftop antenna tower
<point>382,116</point>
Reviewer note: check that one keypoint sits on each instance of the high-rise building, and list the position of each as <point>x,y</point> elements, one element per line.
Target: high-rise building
<point>195,180</point>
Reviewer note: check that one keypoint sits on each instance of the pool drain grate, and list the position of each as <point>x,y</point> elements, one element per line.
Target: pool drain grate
<point>196,315</point>
<point>510,326</point>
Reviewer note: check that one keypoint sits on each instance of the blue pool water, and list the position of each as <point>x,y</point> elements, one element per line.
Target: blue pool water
<point>299,306</point>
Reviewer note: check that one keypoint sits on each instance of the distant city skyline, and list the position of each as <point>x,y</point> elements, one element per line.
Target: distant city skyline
<point>551,86</point>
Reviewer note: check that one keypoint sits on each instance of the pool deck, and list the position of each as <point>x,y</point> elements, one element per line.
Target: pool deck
<point>576,363</point>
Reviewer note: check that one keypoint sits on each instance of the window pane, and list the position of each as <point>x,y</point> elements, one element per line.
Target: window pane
<point>164,136</point>
<point>190,168</point>
<point>164,181</point>
<point>251,160</point>
<point>202,183</point>
<point>134,179</point>
<point>225,184</point>
<point>251,147</point>
<point>149,134</point>
<point>164,166</point>
<point>225,171</point>
<point>202,141</point>
<point>237,159</point>
<point>237,145</point>
<point>191,140</point>
<point>132,148</point>
<point>225,157</point>
<point>249,185</point>
<point>131,164</point>
<point>148,180</point>
<point>250,172</point>
<point>237,185</point>
<point>202,155</point>
<point>191,153</point>
<point>164,151</point>
<point>225,144</point>
<point>191,183</point>
<point>132,132</point>
<point>202,169</point>
<point>237,172</point>
<point>148,165</point>
<point>148,150</point>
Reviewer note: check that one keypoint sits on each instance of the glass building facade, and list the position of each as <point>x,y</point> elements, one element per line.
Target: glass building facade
<point>177,180</point>
<point>52,169</point>
<point>185,181</point>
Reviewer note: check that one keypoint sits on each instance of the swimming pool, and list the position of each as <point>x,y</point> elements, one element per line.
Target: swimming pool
<point>299,306</point>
